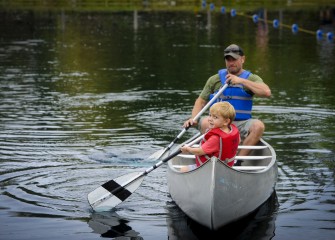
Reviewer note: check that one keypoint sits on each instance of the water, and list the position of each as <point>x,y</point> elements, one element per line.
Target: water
<point>86,97</point>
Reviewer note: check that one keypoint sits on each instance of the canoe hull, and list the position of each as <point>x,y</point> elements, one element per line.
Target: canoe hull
<point>215,194</point>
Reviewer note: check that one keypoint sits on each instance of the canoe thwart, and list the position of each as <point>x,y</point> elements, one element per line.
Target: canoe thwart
<point>252,157</point>
<point>241,168</point>
<point>244,147</point>
<point>249,168</point>
<point>189,156</point>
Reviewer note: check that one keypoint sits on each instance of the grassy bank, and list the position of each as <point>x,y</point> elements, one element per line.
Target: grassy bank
<point>156,5</point>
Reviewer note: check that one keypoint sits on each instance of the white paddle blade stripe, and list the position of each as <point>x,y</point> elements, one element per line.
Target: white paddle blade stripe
<point>115,191</point>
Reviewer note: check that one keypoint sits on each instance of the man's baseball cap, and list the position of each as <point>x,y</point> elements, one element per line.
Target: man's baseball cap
<point>234,51</point>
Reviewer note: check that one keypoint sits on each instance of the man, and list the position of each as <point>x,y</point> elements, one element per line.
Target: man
<point>243,85</point>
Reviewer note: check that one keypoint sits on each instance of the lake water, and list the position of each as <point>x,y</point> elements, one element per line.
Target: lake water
<point>86,97</point>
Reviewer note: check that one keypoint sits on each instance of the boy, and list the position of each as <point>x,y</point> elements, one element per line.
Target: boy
<point>222,138</point>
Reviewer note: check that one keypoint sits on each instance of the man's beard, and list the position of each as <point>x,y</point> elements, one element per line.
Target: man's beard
<point>234,70</point>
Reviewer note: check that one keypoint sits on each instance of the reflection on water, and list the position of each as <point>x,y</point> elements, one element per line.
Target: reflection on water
<point>86,98</point>
<point>110,225</point>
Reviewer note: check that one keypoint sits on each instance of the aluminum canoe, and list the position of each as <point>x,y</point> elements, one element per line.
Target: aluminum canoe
<point>215,194</point>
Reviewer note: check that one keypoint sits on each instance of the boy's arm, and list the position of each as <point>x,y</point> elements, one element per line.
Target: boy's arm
<point>196,151</point>
<point>209,147</point>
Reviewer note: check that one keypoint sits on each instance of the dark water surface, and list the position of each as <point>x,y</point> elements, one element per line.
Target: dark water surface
<point>86,97</point>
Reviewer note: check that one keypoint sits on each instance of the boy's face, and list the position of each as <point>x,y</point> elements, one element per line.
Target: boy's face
<point>217,121</point>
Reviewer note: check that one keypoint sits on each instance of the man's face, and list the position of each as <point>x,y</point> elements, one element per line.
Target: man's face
<point>233,65</point>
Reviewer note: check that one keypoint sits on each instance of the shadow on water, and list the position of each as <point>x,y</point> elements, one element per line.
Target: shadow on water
<point>259,225</point>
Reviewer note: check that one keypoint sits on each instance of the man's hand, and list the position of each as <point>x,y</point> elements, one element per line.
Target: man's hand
<point>189,123</point>
<point>233,79</point>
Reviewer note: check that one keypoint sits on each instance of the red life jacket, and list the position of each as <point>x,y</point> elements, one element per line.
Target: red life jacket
<point>228,146</point>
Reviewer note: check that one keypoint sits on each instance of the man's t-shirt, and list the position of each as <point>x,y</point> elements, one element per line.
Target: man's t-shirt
<point>214,83</point>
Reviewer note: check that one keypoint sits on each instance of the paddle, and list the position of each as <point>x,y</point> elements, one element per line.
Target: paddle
<point>158,153</point>
<point>117,190</point>
<point>194,119</point>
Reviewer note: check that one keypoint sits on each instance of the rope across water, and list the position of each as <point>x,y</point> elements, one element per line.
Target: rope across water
<point>275,22</point>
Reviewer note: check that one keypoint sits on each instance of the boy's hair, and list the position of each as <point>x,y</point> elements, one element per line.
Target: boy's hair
<point>224,109</point>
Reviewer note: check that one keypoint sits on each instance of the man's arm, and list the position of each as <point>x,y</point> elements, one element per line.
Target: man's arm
<point>260,89</point>
<point>198,105</point>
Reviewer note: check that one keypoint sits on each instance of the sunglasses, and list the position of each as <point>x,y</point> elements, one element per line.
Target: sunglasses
<point>232,51</point>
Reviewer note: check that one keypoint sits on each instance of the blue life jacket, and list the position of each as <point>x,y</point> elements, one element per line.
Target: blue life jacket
<point>236,96</point>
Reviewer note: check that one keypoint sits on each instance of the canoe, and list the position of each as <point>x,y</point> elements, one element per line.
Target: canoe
<point>215,194</point>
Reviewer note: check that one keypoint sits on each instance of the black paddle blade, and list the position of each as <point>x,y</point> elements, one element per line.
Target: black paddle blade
<point>115,191</point>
